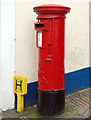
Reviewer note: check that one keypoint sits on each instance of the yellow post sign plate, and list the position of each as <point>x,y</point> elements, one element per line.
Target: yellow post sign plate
<point>20,84</point>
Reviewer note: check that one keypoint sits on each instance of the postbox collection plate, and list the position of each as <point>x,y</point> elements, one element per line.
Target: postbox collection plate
<point>39,39</point>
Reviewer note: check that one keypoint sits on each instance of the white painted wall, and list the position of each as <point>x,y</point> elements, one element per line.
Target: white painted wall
<point>7,51</point>
<point>76,36</point>
<point>90,34</point>
<point>0,55</point>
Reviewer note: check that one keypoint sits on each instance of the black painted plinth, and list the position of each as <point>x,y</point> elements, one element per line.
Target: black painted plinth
<point>51,102</point>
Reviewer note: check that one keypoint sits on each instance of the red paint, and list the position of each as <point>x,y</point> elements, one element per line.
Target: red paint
<point>52,26</point>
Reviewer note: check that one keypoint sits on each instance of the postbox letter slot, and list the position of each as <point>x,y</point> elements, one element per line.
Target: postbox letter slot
<point>39,25</point>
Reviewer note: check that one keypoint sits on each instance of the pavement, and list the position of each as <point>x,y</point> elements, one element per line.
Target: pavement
<point>77,106</point>
<point>81,102</point>
<point>0,114</point>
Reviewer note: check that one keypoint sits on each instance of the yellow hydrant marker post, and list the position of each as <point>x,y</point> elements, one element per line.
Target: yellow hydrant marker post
<point>20,88</point>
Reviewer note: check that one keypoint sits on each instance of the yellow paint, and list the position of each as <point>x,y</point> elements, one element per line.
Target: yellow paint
<point>20,88</point>
<point>20,102</point>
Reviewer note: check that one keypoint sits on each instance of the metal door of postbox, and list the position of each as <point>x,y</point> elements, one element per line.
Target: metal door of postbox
<point>45,54</point>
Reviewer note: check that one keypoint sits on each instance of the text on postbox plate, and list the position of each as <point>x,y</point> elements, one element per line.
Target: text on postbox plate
<point>39,39</point>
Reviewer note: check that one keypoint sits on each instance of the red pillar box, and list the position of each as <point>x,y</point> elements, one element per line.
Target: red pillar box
<point>50,30</point>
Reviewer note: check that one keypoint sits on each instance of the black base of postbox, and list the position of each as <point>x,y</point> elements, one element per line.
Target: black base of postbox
<point>51,103</point>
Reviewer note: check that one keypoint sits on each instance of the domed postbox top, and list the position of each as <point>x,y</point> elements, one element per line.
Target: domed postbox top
<point>50,10</point>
